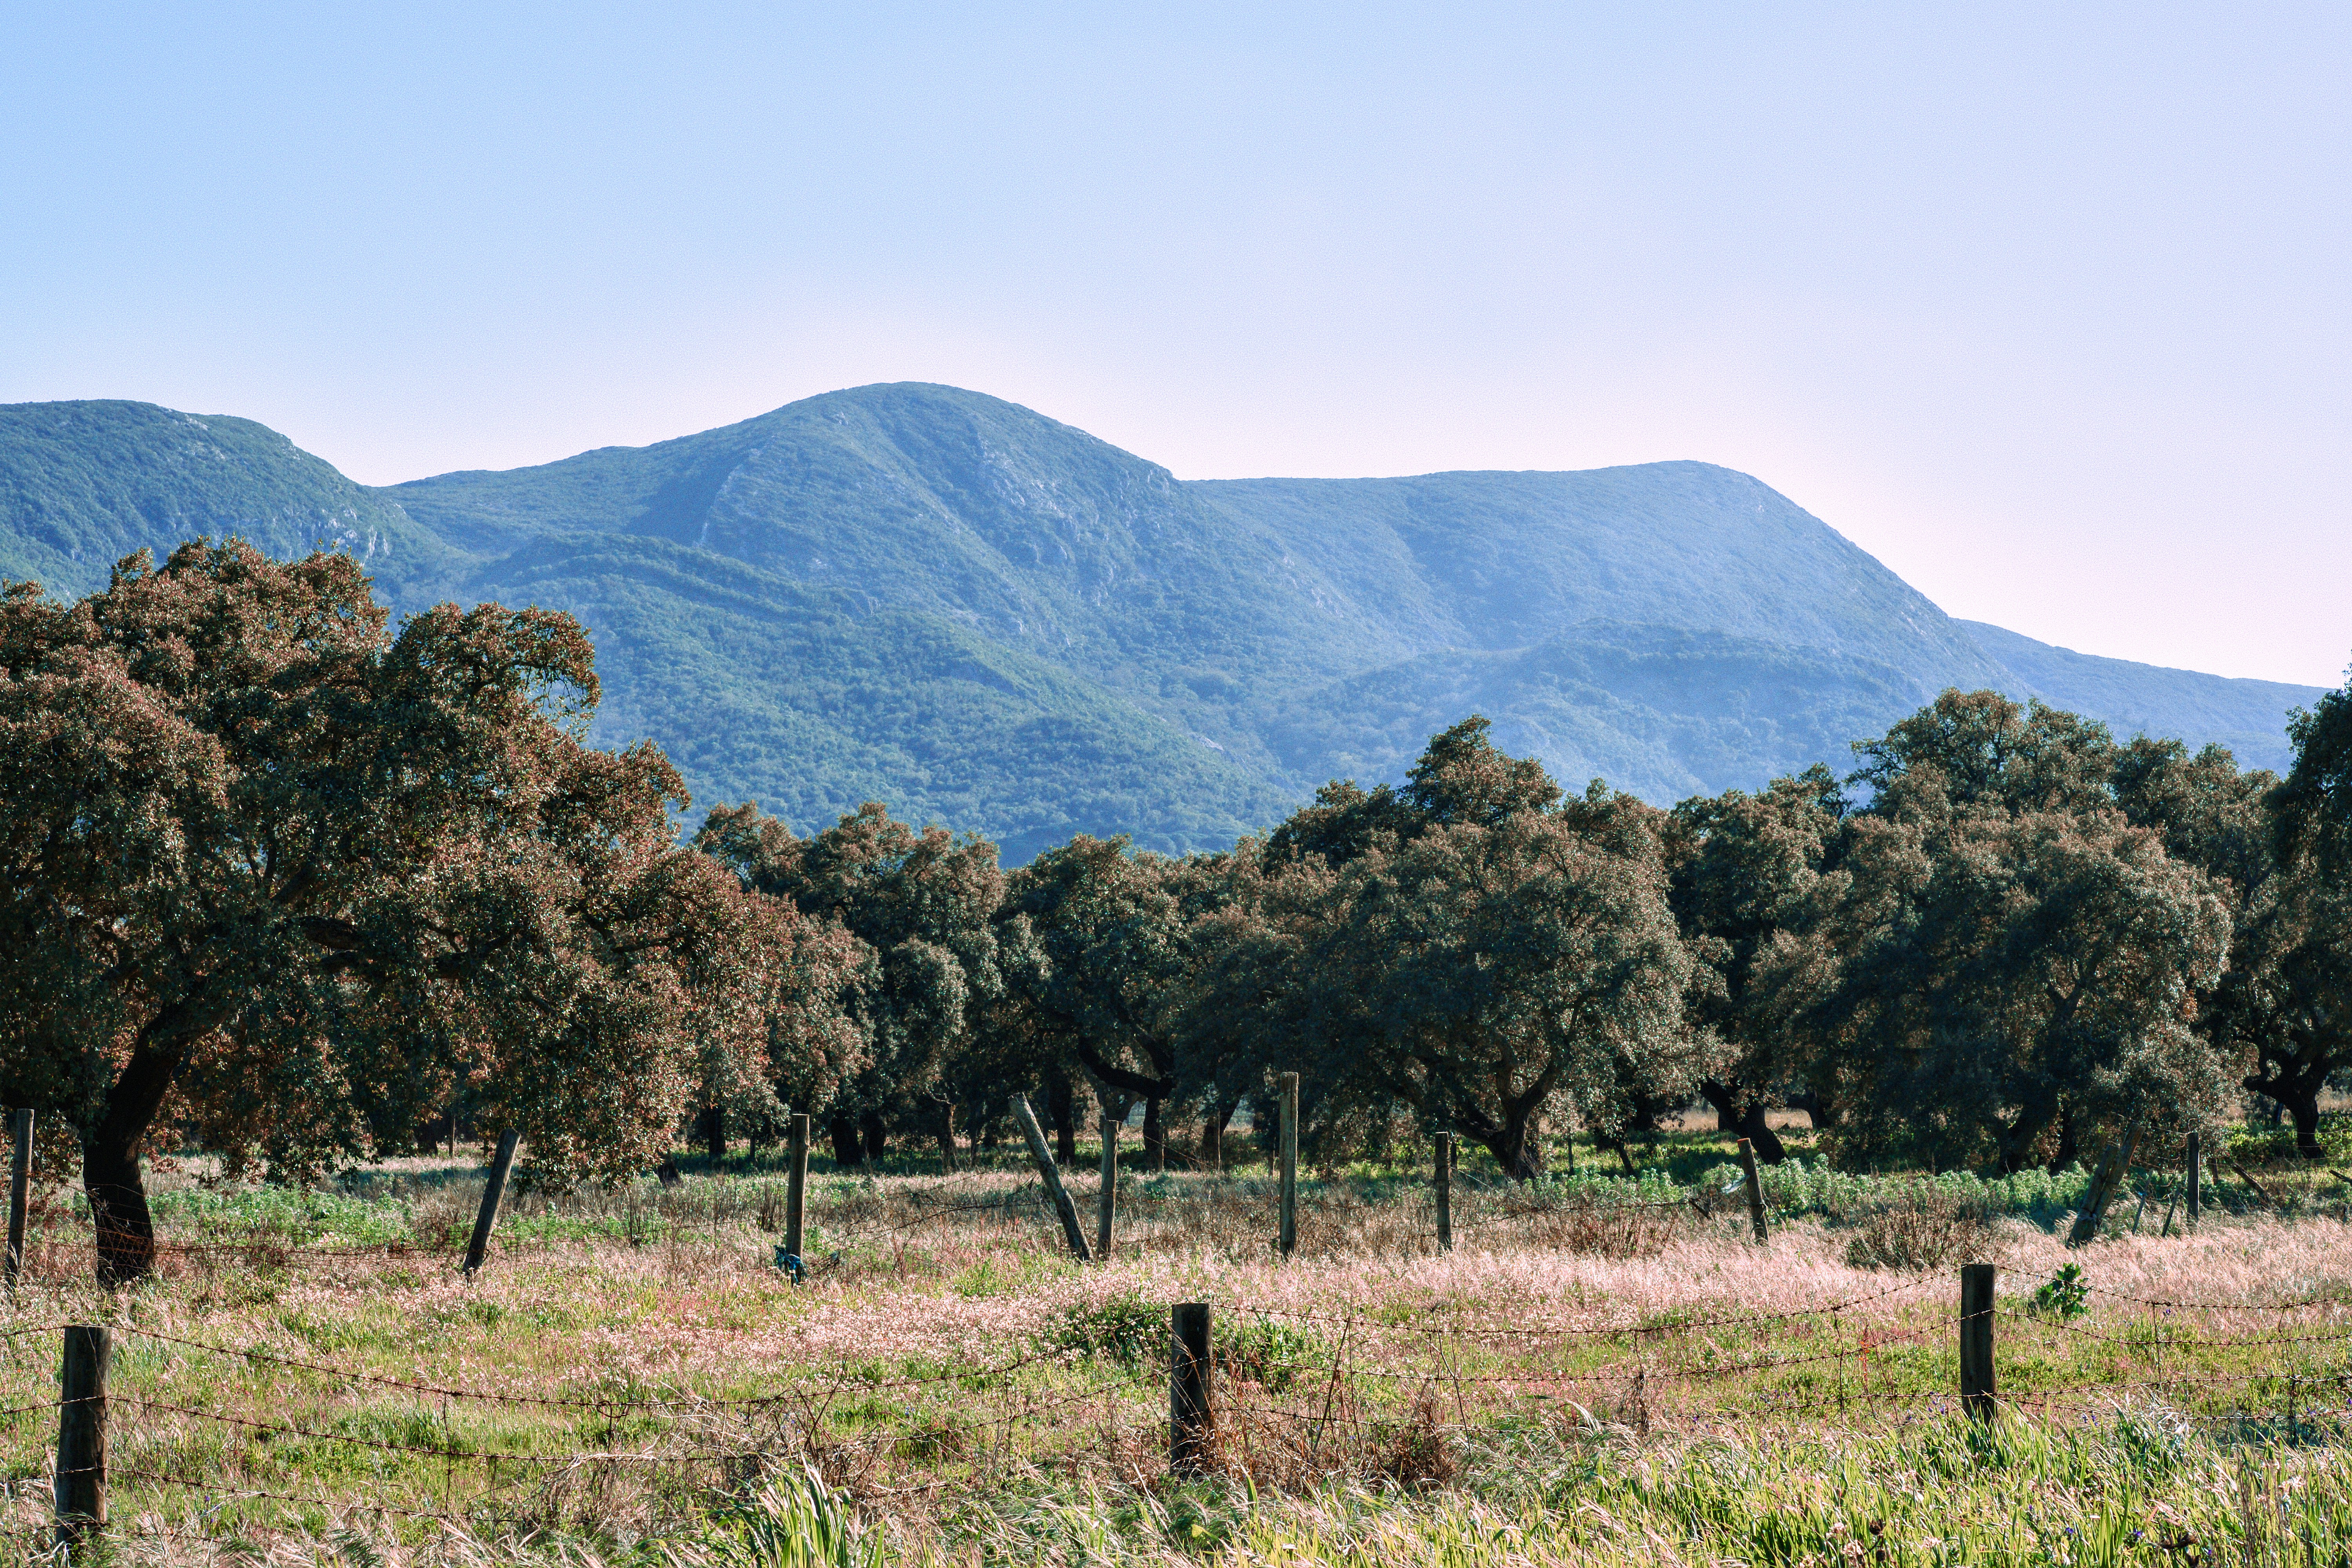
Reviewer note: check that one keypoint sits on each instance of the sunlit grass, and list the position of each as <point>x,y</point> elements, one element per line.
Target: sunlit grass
<point>1554,1390</point>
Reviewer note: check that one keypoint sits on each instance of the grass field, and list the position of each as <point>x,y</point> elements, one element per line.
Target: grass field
<point>1603,1370</point>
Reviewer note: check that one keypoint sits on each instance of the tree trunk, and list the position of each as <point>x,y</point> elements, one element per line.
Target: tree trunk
<point>1155,1136</point>
<point>1727,1104</point>
<point>877,1138</point>
<point>1517,1146</point>
<point>1761,1137</point>
<point>1061,1102</point>
<point>2303,1107</point>
<point>1742,1115</point>
<point>1811,1102</point>
<point>947,1135</point>
<point>846,1149</point>
<point>1213,1122</point>
<point>2070,1143</point>
<point>109,1162</point>
<point>714,1136</point>
<point>118,1201</point>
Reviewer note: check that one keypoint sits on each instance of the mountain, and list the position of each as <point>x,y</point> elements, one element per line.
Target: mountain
<point>932,597</point>
<point>84,484</point>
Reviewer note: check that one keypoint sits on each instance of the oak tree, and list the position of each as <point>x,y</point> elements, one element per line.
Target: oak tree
<point>285,883</point>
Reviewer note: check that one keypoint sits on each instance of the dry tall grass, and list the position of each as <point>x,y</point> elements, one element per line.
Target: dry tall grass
<point>945,1350</point>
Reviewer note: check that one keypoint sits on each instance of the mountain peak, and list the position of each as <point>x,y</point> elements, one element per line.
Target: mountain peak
<point>926,596</point>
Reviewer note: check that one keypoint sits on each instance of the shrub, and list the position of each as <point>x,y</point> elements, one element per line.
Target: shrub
<point>1920,1229</point>
<point>2063,1294</point>
<point>1127,1329</point>
<point>1267,1352</point>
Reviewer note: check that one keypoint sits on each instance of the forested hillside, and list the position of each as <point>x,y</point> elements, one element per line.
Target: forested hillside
<point>937,599</point>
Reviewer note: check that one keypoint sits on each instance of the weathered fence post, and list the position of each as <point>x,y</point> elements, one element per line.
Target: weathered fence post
<point>1106,1200</point>
<point>1755,1191</point>
<point>1190,1418</point>
<point>1444,1183</point>
<point>1976,1341</point>
<point>1051,1175</point>
<point>797,1192</point>
<point>2104,1182</point>
<point>20,1190</point>
<point>2196,1178</point>
<point>80,1483</point>
<point>1288,1238</point>
<point>492,1192</point>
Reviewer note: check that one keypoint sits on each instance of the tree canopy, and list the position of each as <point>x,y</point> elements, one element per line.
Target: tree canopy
<point>285,883</point>
<point>296,881</point>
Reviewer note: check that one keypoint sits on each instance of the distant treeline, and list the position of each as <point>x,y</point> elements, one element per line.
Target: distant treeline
<point>2001,931</point>
<point>299,890</point>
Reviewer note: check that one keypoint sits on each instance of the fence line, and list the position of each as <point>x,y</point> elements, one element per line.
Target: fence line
<point>1826,1310</point>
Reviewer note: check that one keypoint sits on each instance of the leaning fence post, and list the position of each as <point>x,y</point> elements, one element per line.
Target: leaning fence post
<point>80,1484</point>
<point>1976,1341</point>
<point>1106,1200</point>
<point>500,1164</point>
<point>1755,1191</point>
<point>2196,1178</point>
<point>797,1193</point>
<point>20,1191</point>
<point>1287,1085</point>
<point>2109,1175</point>
<point>1048,1174</point>
<point>1190,1416</point>
<point>1444,1183</point>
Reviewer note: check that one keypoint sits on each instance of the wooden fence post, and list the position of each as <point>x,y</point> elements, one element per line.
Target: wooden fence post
<point>1755,1191</point>
<point>492,1192</point>
<point>2196,1178</point>
<point>80,1485</point>
<point>797,1193</point>
<point>20,1191</point>
<point>1190,1418</point>
<point>1288,1237</point>
<point>1051,1175</point>
<point>1976,1341</point>
<point>2104,1182</point>
<point>1106,1200</point>
<point>1444,1183</point>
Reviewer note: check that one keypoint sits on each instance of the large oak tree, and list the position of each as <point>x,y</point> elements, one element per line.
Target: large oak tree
<point>285,881</point>
<point>1998,955</point>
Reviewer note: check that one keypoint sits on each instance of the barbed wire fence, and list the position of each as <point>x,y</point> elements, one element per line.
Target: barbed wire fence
<point>1290,1394</point>
<point>1301,1391</point>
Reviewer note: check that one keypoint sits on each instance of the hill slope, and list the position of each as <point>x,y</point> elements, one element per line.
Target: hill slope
<point>987,618</point>
<point>82,485</point>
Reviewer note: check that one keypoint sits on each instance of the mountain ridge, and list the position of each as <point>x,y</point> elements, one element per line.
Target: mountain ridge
<point>993,619</point>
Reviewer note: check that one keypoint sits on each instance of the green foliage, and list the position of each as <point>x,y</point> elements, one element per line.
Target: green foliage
<point>2139,1490</point>
<point>796,1522</point>
<point>2255,1145</point>
<point>1126,1328</point>
<point>1269,1352</point>
<point>2063,1295</point>
<point>300,1217</point>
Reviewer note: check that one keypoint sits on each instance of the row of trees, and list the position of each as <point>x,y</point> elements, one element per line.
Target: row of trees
<point>289,884</point>
<point>2002,928</point>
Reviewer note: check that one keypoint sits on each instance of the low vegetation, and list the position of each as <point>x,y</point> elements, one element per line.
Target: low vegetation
<point>632,1379</point>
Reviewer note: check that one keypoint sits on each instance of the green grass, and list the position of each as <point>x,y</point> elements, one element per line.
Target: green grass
<point>1393,1405</point>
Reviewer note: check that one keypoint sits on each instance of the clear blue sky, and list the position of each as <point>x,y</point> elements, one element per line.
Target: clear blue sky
<point>2045,306</point>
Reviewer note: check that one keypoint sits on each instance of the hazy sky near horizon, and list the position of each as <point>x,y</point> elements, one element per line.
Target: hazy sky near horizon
<point>2044,306</point>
